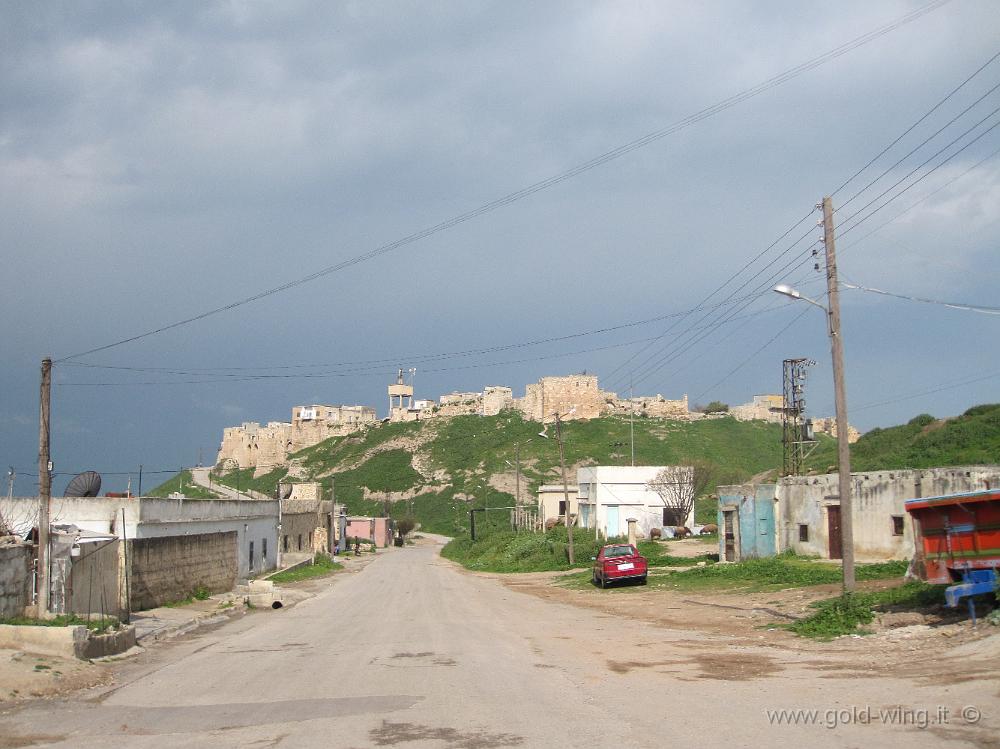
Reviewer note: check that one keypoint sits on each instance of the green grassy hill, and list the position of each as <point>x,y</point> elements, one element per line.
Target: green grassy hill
<point>923,442</point>
<point>437,470</point>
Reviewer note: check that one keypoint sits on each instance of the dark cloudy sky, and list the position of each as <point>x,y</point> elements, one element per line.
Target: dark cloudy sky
<point>160,160</point>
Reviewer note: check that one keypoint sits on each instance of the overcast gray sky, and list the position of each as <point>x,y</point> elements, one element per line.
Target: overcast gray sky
<point>160,160</point>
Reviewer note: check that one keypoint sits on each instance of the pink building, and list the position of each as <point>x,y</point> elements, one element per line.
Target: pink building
<point>376,530</point>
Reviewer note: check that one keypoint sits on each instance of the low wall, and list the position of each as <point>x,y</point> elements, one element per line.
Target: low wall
<point>65,642</point>
<point>170,568</point>
<point>15,578</point>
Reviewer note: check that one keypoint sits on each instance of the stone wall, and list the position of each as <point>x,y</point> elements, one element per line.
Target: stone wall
<point>577,393</point>
<point>496,398</point>
<point>828,425</point>
<point>252,446</point>
<point>877,497</point>
<point>264,448</point>
<point>15,578</point>
<point>761,408</point>
<point>304,524</point>
<point>768,408</point>
<point>653,406</point>
<point>170,568</point>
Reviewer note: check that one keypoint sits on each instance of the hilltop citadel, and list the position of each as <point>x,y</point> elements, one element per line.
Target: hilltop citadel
<point>574,397</point>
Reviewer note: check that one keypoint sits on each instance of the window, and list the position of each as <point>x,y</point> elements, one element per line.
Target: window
<point>284,543</point>
<point>300,542</point>
<point>897,525</point>
<point>263,552</point>
<point>251,557</point>
<point>562,506</point>
<point>803,532</point>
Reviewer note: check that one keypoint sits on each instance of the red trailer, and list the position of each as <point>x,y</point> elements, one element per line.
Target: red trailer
<point>957,540</point>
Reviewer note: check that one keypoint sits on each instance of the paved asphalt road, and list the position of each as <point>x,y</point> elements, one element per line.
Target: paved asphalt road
<point>412,652</point>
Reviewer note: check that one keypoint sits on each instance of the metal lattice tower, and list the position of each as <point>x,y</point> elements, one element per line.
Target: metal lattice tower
<point>796,431</point>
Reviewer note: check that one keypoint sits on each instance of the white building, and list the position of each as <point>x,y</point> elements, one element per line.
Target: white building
<point>610,495</point>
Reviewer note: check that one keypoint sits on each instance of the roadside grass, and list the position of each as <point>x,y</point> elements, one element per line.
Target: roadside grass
<point>97,625</point>
<point>183,483</point>
<point>201,593</point>
<point>322,565</point>
<point>756,575</point>
<point>846,615</point>
<point>244,481</point>
<point>504,551</point>
<point>773,573</point>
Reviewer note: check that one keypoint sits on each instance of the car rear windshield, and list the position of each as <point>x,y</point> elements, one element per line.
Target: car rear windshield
<point>618,551</point>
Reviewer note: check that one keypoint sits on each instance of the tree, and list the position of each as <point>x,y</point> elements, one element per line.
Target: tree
<point>680,486</point>
<point>404,526</point>
<point>717,407</point>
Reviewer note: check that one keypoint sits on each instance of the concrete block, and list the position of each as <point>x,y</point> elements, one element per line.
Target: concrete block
<point>62,642</point>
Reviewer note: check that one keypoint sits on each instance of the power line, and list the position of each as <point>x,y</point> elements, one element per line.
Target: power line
<point>368,373</point>
<point>953,305</point>
<point>604,158</point>
<point>926,197</point>
<point>408,358</point>
<point>910,129</point>
<point>942,388</point>
<point>746,361</point>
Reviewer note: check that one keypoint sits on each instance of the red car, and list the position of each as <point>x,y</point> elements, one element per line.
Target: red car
<point>619,562</point>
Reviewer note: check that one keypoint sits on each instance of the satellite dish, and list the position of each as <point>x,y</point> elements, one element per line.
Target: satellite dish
<point>87,484</point>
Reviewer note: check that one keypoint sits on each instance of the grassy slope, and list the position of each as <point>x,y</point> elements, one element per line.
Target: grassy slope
<point>923,442</point>
<point>471,448</point>
<point>184,483</point>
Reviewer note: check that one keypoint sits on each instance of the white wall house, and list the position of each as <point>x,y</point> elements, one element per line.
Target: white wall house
<point>610,495</point>
<point>255,522</point>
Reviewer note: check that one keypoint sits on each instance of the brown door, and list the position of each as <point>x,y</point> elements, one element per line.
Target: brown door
<point>833,531</point>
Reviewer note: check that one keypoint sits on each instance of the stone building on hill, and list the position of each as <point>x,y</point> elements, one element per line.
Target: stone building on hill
<point>263,448</point>
<point>769,407</point>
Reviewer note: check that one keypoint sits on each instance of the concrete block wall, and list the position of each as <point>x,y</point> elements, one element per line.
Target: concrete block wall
<point>15,578</point>
<point>170,568</point>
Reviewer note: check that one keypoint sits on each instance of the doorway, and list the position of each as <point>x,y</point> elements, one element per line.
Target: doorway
<point>833,531</point>
<point>730,522</point>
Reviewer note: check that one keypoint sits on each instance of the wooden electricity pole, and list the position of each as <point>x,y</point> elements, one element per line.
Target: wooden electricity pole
<point>44,490</point>
<point>562,465</point>
<point>837,354</point>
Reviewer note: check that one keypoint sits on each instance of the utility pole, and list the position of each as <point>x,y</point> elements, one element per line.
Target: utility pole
<point>517,473</point>
<point>562,465</point>
<point>631,419</point>
<point>44,489</point>
<point>837,354</point>
<point>139,491</point>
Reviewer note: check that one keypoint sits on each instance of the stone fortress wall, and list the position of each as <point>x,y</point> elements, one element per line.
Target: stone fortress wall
<point>264,448</point>
<point>572,397</point>
<point>768,408</point>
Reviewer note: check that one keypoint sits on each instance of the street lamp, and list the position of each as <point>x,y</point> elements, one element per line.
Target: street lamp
<point>843,447</point>
<point>562,466</point>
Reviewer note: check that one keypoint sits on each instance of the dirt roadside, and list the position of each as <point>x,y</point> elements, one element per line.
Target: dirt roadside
<point>935,646</point>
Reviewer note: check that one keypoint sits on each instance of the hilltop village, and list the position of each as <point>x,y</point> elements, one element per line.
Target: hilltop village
<point>579,397</point>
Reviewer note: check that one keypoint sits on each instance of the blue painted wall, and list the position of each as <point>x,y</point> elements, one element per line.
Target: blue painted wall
<point>756,520</point>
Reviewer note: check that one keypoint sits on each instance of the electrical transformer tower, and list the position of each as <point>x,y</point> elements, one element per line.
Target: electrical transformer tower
<point>797,437</point>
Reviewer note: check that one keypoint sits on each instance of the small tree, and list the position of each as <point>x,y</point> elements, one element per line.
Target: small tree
<point>717,407</point>
<point>404,526</point>
<point>680,486</point>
